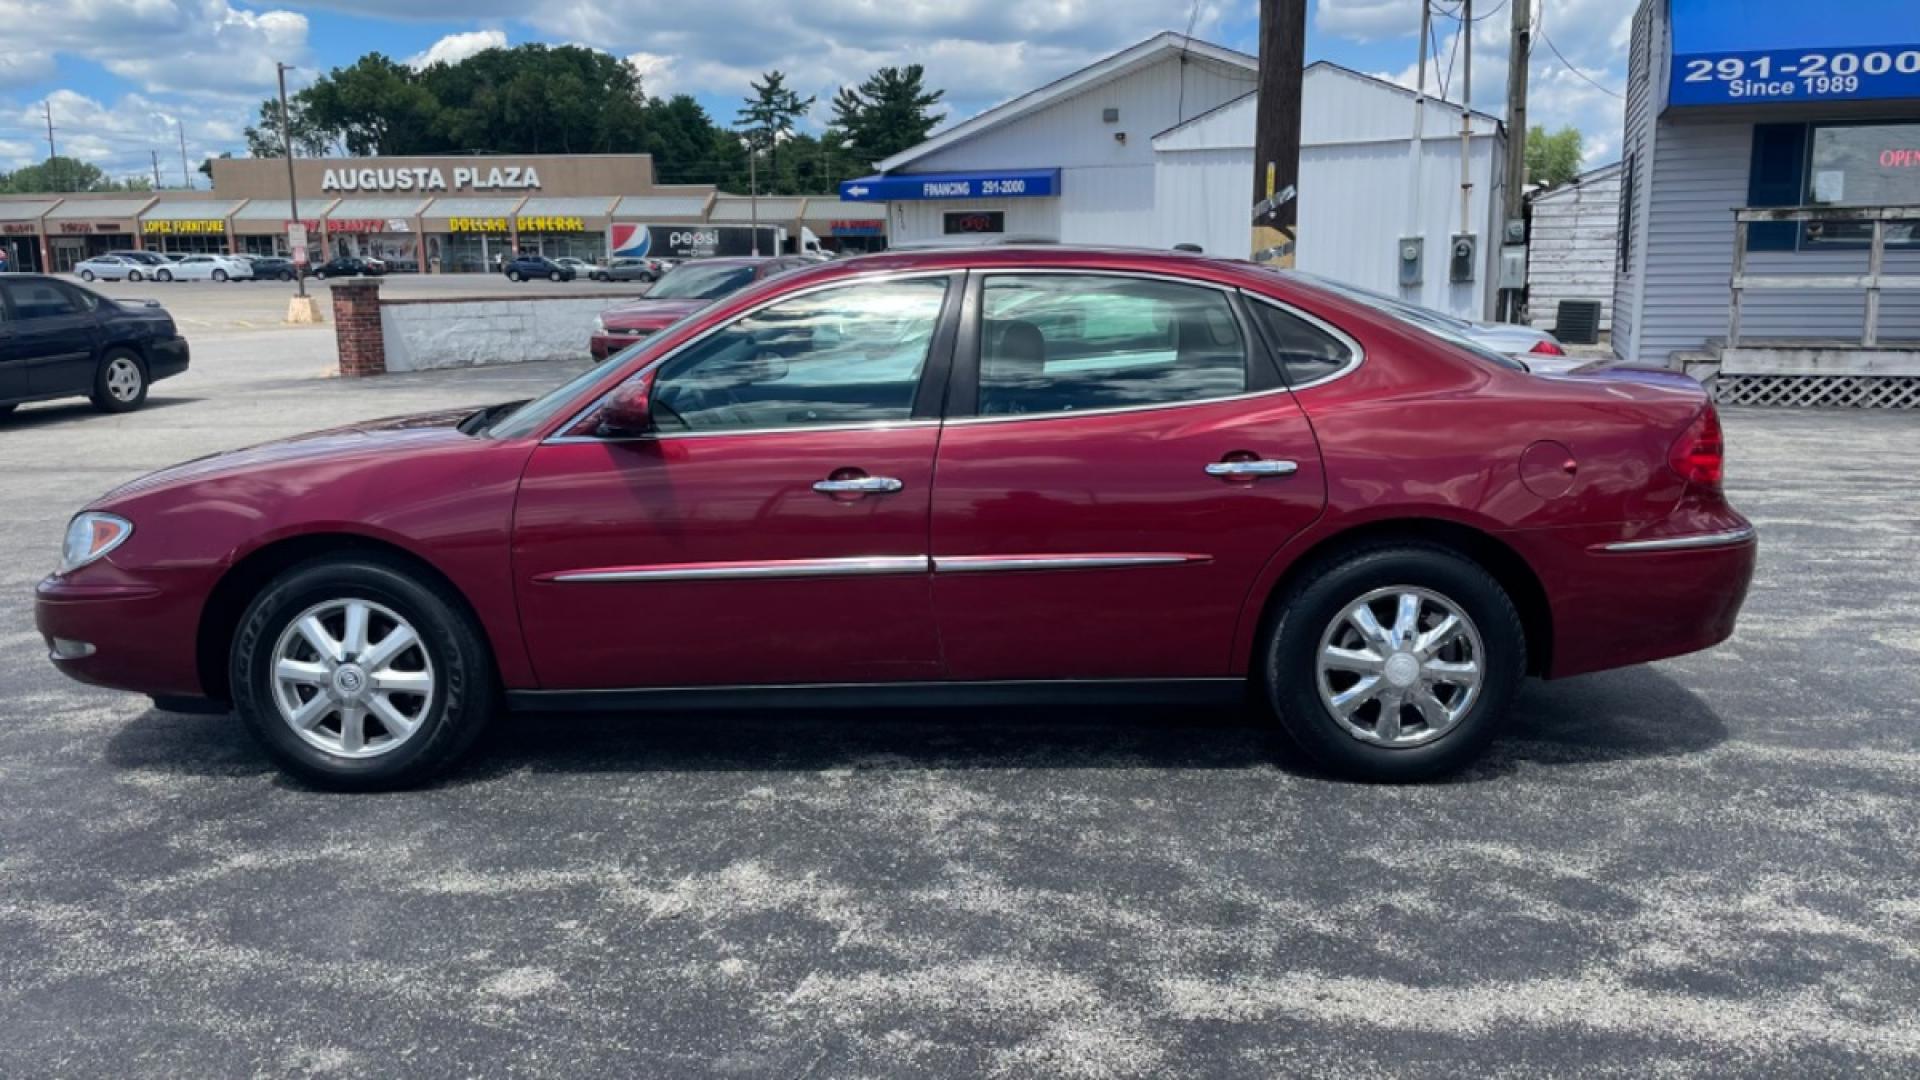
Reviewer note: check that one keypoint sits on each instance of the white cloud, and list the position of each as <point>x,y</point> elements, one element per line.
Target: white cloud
<point>124,137</point>
<point>457,47</point>
<point>203,48</point>
<point>656,73</point>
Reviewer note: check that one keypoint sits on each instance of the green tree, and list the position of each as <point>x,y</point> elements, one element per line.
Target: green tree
<point>886,114</point>
<point>309,139</point>
<point>1553,159</point>
<point>57,174</point>
<point>768,117</point>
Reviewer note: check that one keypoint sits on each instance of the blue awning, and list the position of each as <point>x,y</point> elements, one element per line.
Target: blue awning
<point>1761,52</point>
<point>1001,184</point>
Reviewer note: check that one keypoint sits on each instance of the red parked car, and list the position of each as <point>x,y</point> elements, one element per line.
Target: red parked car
<point>682,291</point>
<point>963,476</point>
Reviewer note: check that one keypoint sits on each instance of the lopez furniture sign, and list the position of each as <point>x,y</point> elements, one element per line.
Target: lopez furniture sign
<point>183,228</point>
<point>465,178</point>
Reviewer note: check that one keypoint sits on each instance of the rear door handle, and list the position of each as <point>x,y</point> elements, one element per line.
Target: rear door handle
<point>864,485</point>
<point>1252,469</point>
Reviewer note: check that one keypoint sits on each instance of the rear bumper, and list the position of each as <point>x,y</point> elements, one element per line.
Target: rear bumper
<point>1622,601</point>
<point>167,357</point>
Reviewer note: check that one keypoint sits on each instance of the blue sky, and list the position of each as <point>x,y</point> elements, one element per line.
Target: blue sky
<point>123,76</point>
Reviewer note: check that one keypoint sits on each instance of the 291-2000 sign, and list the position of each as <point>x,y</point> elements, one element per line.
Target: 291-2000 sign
<point>1818,73</point>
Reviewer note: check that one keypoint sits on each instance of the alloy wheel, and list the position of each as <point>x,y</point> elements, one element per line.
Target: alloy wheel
<point>352,678</point>
<point>124,379</point>
<point>1400,666</point>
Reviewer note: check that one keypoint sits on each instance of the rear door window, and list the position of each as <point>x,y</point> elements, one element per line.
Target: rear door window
<point>1058,343</point>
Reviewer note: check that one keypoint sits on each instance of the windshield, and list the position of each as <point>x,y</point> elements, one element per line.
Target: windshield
<point>691,281</point>
<point>535,414</point>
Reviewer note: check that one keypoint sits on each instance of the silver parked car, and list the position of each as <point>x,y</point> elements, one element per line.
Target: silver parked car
<point>111,268</point>
<point>626,269</point>
<point>1540,351</point>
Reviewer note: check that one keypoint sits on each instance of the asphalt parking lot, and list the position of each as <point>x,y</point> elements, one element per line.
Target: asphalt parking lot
<point>1704,866</point>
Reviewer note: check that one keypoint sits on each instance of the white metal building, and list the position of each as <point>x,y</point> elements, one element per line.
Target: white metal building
<point>1153,146</point>
<point>1574,245</point>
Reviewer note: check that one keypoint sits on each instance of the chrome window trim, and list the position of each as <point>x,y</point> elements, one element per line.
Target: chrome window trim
<point>976,564</point>
<point>989,273</point>
<point>1727,538</point>
<point>875,425</point>
<point>1354,348</point>
<point>836,283</point>
<point>776,568</point>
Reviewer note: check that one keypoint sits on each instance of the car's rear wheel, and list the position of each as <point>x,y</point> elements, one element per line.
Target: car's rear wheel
<point>286,275</point>
<point>358,675</point>
<point>133,275</point>
<point>86,275</point>
<point>219,275</point>
<point>120,382</point>
<point>1395,663</point>
<point>554,276</point>
<point>513,275</point>
<point>164,275</point>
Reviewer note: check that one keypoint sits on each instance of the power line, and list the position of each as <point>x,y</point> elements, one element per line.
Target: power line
<point>1541,29</point>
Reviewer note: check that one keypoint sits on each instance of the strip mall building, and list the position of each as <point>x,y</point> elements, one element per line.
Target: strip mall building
<point>444,214</point>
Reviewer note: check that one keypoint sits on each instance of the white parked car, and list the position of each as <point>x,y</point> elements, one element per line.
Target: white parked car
<point>111,268</point>
<point>581,268</point>
<point>1540,351</point>
<point>208,268</point>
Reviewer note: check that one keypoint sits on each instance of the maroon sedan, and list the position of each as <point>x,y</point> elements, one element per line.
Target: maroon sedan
<point>682,291</point>
<point>981,476</point>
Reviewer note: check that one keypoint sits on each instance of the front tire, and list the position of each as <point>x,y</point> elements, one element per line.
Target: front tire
<point>133,275</point>
<point>1395,663</point>
<point>164,275</point>
<point>554,276</point>
<point>86,275</point>
<point>513,275</point>
<point>120,383</point>
<point>357,675</point>
<point>219,275</point>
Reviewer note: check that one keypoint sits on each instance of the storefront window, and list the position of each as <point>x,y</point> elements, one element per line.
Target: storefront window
<point>1863,165</point>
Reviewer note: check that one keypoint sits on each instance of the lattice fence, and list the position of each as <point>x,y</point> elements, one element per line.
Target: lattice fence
<point>1819,391</point>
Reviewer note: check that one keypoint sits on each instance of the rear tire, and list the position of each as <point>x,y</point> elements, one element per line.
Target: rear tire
<point>513,275</point>
<point>133,275</point>
<point>164,275</point>
<point>1315,655</point>
<point>120,383</point>
<point>449,659</point>
<point>219,275</point>
<point>86,275</point>
<point>554,276</point>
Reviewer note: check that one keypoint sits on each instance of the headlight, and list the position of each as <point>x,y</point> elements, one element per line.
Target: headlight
<point>90,537</point>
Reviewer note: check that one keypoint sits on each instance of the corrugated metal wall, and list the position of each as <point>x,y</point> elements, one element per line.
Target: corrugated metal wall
<point>1636,160</point>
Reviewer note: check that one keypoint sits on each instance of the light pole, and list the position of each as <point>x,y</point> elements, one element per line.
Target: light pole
<point>293,193</point>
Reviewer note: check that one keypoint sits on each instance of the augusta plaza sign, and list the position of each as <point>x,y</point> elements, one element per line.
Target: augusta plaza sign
<point>432,178</point>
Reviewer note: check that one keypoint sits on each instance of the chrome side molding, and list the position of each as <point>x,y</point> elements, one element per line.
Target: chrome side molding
<point>780,568</point>
<point>976,564</point>
<point>1684,543</point>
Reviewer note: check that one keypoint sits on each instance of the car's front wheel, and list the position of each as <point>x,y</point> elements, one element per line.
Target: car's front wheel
<point>120,382</point>
<point>513,275</point>
<point>219,275</point>
<point>360,675</point>
<point>86,275</point>
<point>164,275</point>
<point>1395,663</point>
<point>133,275</point>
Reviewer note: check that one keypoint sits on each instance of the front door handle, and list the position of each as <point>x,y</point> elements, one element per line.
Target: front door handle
<point>1249,470</point>
<point>863,485</point>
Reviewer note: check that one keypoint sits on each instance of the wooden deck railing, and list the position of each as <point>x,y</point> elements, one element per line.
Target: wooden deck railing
<point>1874,281</point>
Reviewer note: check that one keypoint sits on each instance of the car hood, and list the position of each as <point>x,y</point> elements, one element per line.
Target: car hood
<point>391,436</point>
<point>649,314</point>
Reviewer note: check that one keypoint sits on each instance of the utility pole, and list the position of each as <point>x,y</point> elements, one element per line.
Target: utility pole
<point>156,168</point>
<point>52,169</point>
<point>753,190</point>
<point>185,177</point>
<point>1416,226</point>
<point>1276,140</point>
<point>293,193</point>
<point>1519,53</point>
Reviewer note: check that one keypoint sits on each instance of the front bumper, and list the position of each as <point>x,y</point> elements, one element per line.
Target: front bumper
<point>605,345</point>
<point>141,632</point>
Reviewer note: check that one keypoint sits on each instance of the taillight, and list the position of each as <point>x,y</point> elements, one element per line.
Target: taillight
<point>1547,348</point>
<point>1700,453</point>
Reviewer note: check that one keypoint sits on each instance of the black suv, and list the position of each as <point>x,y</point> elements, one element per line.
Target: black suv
<point>60,340</point>
<point>528,267</point>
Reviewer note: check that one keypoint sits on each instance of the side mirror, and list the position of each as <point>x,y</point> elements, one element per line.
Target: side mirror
<point>629,412</point>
